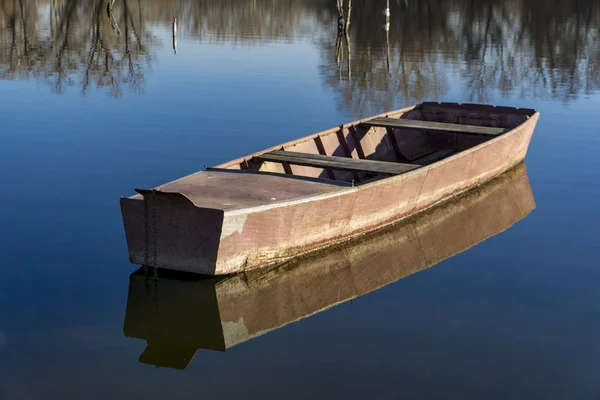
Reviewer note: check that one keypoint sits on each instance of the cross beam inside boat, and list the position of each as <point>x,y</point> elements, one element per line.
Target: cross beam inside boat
<point>433,126</point>
<point>341,163</point>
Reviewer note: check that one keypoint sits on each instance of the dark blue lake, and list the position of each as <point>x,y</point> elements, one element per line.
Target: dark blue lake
<point>95,101</point>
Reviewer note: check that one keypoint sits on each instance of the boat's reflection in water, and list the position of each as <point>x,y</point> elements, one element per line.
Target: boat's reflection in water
<point>179,314</point>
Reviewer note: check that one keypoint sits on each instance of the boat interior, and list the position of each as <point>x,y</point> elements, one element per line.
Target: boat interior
<point>385,145</point>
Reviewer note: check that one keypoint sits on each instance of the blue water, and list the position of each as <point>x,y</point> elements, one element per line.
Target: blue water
<point>517,316</point>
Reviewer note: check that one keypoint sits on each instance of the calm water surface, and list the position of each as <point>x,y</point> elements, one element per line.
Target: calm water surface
<point>94,102</point>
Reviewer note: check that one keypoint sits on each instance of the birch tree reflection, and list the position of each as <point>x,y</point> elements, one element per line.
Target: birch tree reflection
<point>90,43</point>
<point>531,47</point>
<point>395,55</point>
<point>412,50</point>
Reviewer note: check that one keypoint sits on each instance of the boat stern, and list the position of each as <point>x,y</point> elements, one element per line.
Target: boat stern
<point>166,230</point>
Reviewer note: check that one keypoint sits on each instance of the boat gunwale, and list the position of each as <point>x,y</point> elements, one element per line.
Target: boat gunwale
<point>350,189</point>
<point>425,169</point>
<point>343,190</point>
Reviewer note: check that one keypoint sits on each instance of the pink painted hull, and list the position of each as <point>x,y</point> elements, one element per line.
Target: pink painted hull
<point>184,234</point>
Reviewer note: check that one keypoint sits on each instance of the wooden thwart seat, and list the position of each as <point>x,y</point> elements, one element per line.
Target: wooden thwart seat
<point>341,163</point>
<point>433,126</point>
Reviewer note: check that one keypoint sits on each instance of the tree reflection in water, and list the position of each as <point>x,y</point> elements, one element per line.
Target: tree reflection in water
<point>526,48</point>
<point>382,54</point>
<point>102,41</point>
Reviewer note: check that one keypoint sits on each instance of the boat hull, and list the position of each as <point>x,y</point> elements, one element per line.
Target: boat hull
<point>180,235</point>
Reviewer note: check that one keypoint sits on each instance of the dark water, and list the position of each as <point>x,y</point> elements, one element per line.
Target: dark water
<point>96,103</point>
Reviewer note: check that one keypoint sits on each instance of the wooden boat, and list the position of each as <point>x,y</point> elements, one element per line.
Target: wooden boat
<point>324,188</point>
<point>181,313</point>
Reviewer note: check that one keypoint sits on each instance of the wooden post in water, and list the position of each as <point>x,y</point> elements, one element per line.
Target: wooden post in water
<point>341,19</point>
<point>175,36</point>
<point>349,14</point>
<point>348,39</point>
<point>386,12</point>
<point>342,34</point>
<point>387,34</point>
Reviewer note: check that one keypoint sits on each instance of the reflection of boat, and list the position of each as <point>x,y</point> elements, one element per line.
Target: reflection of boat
<point>323,188</point>
<point>177,315</point>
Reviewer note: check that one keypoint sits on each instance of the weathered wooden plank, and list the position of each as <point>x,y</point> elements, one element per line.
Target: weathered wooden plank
<point>342,163</point>
<point>437,126</point>
<point>434,157</point>
<point>353,161</point>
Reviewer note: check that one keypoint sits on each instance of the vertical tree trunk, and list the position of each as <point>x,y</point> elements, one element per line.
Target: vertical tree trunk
<point>349,13</point>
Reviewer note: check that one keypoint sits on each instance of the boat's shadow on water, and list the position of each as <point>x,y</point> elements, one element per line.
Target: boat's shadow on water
<point>181,313</point>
